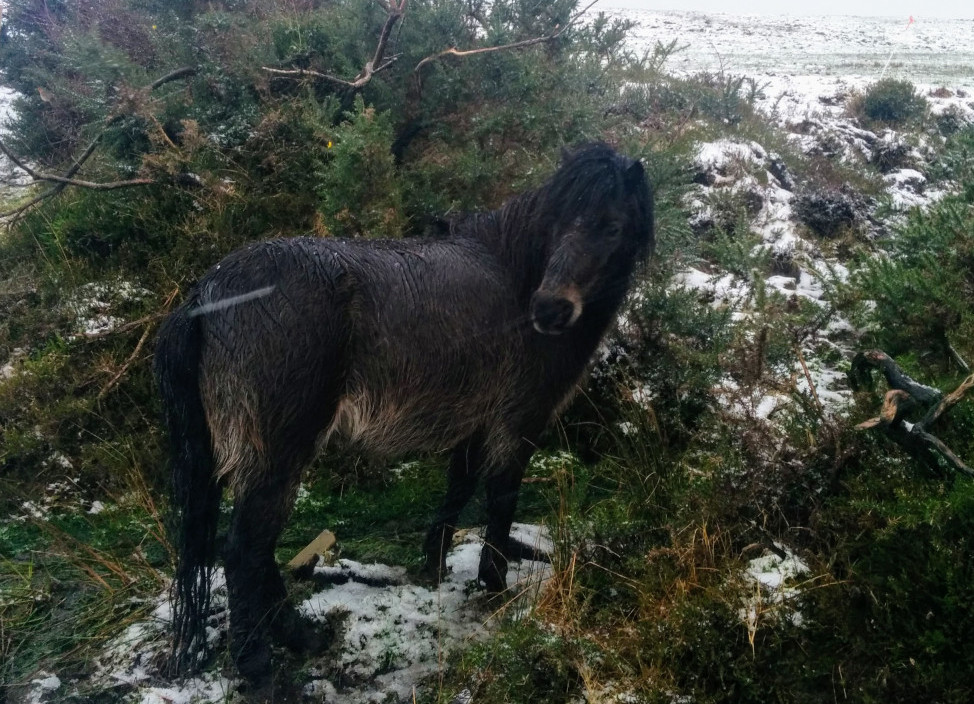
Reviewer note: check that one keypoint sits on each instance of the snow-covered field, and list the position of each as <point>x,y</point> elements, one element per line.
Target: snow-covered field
<point>807,65</point>
<point>930,51</point>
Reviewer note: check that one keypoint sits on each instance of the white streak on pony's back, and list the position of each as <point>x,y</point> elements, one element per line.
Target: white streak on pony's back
<point>230,301</point>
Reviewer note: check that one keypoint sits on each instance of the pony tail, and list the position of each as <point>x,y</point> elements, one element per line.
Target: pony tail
<point>195,494</point>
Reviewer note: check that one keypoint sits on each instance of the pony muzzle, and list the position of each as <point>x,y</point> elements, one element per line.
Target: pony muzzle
<point>553,312</point>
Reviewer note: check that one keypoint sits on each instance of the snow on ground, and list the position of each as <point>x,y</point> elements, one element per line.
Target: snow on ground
<point>394,634</point>
<point>773,591</point>
<point>807,70</point>
<point>92,305</point>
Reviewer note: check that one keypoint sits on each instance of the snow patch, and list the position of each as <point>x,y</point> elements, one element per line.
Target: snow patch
<point>393,633</point>
<point>41,687</point>
<point>771,575</point>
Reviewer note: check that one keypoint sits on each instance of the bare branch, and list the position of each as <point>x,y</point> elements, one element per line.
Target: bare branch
<point>394,12</point>
<point>128,363</point>
<point>67,181</point>
<point>355,84</point>
<point>453,51</point>
<point>170,77</point>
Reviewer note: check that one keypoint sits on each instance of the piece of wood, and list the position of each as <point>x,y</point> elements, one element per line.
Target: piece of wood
<point>319,546</point>
<point>896,404</point>
<point>905,395</point>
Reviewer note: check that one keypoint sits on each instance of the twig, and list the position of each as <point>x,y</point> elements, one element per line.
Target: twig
<point>808,378</point>
<point>958,360</point>
<point>151,318</point>
<point>128,363</point>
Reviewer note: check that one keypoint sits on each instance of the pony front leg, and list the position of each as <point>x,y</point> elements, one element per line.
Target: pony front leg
<point>465,463</point>
<point>502,491</point>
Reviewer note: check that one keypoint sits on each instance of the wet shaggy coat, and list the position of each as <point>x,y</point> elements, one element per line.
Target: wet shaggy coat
<point>471,342</point>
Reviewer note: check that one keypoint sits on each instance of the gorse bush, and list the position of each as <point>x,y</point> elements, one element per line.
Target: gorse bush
<point>893,101</point>
<point>922,288</point>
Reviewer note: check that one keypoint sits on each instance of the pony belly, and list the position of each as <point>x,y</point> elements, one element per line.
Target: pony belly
<point>388,427</point>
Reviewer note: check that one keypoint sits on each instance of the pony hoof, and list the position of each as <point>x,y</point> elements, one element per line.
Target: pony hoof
<point>433,573</point>
<point>493,571</point>
<point>301,636</point>
<point>255,667</point>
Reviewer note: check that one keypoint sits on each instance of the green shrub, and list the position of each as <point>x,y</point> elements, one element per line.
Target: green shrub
<point>359,188</point>
<point>922,290</point>
<point>893,102</point>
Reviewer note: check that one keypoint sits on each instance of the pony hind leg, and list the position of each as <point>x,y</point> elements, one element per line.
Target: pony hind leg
<point>257,594</point>
<point>255,589</point>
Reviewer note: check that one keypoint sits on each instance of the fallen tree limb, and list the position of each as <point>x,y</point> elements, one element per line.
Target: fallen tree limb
<point>905,395</point>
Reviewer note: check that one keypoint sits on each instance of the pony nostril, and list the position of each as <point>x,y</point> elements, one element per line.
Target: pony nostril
<point>553,315</point>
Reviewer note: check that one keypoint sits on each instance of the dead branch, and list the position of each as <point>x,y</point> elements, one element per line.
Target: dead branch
<point>75,167</point>
<point>895,376</point>
<point>905,395</point>
<point>394,12</point>
<point>62,181</point>
<point>523,44</point>
<point>55,178</point>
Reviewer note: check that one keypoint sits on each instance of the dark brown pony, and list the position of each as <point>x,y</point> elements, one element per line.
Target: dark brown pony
<point>471,342</point>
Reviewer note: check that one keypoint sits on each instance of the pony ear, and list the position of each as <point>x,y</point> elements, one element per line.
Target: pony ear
<point>634,175</point>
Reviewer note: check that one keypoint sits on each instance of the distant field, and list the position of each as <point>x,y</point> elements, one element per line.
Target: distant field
<point>929,51</point>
